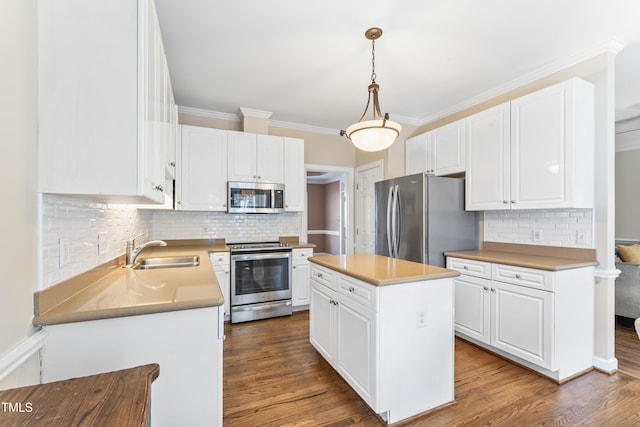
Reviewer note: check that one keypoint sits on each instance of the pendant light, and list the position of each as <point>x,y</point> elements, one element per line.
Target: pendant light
<point>379,132</point>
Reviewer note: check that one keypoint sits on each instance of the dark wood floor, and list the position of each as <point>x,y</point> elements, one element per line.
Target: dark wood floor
<point>274,377</point>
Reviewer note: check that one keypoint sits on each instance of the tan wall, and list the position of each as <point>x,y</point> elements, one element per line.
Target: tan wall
<point>628,195</point>
<point>19,225</point>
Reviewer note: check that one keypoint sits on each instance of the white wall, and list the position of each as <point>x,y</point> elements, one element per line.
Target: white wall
<point>19,225</point>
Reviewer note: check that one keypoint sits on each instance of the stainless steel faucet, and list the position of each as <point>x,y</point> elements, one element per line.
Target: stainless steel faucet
<point>133,252</point>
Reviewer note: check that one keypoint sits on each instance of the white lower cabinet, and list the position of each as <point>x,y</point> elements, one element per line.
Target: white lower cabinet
<point>221,262</point>
<point>301,276</point>
<point>541,319</point>
<point>187,344</point>
<point>374,338</point>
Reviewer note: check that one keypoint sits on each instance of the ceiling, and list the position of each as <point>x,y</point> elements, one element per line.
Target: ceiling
<point>309,63</point>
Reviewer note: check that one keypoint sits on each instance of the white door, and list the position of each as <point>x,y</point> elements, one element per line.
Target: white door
<point>521,322</point>
<point>448,148</point>
<point>472,307</point>
<point>202,169</point>
<point>270,159</point>
<point>538,149</point>
<point>488,160</point>
<point>356,347</point>
<point>242,156</point>
<point>322,321</point>
<point>365,209</point>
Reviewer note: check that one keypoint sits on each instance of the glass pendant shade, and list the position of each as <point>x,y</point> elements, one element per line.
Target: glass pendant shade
<point>373,135</point>
<point>379,132</point>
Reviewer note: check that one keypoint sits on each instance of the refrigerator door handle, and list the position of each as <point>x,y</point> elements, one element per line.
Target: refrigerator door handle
<point>398,228</point>
<point>394,223</point>
<point>389,206</point>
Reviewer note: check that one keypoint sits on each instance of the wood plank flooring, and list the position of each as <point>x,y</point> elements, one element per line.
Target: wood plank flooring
<point>274,377</point>
<point>627,347</point>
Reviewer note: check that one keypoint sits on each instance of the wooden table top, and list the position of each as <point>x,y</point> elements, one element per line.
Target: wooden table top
<point>119,398</point>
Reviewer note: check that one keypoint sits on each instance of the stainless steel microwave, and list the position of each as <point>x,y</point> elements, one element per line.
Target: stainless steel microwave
<point>255,197</point>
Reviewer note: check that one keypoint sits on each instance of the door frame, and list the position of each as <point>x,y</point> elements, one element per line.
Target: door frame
<point>377,165</point>
<point>349,190</point>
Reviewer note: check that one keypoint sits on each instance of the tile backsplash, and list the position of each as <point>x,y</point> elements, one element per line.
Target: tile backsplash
<point>571,228</point>
<point>80,223</point>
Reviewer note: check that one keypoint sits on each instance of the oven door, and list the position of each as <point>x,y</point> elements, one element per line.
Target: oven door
<point>260,277</point>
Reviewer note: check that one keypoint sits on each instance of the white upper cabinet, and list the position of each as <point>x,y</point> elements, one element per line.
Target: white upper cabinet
<point>535,152</point>
<point>448,149</point>
<point>438,152</point>
<point>295,183</point>
<point>416,156</point>
<point>103,100</point>
<point>255,158</point>
<point>488,159</point>
<point>202,178</point>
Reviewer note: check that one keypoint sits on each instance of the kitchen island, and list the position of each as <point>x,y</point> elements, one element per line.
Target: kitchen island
<point>386,326</point>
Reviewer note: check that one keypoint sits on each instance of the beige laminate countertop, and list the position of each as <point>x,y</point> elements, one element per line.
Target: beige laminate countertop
<point>380,270</point>
<point>557,258</point>
<point>119,291</point>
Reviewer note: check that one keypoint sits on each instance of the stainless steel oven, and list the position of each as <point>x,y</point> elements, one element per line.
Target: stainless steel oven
<point>260,281</point>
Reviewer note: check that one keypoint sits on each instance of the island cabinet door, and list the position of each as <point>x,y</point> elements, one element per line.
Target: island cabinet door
<point>322,322</point>
<point>356,348</point>
<point>521,323</point>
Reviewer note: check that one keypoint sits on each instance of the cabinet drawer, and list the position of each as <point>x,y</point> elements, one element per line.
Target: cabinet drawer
<point>323,275</point>
<point>470,267</point>
<point>301,254</point>
<point>220,259</point>
<point>358,292</point>
<point>529,277</point>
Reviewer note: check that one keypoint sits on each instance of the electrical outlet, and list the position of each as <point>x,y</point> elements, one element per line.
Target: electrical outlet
<point>581,237</point>
<point>63,252</point>
<point>205,229</point>
<point>421,318</point>
<point>537,235</point>
<point>103,243</point>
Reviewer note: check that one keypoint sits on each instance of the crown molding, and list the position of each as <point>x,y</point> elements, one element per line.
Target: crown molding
<point>306,128</point>
<point>612,46</point>
<point>199,112</point>
<point>259,114</point>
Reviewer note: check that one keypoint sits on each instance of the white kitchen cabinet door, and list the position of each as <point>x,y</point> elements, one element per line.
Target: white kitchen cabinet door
<point>473,307</point>
<point>242,156</point>
<point>295,183</point>
<point>522,322</point>
<point>98,111</point>
<point>270,159</point>
<point>323,321</point>
<point>356,346</point>
<point>488,159</point>
<point>448,148</point>
<point>552,145</point>
<point>416,154</point>
<point>301,276</point>
<point>255,158</point>
<point>202,169</point>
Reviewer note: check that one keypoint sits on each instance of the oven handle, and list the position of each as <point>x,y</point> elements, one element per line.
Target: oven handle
<point>261,255</point>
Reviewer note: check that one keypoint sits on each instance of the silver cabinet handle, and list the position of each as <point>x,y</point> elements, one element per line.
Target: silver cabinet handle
<point>352,289</point>
<point>466,267</point>
<point>158,188</point>
<point>319,275</point>
<point>517,276</point>
<point>505,202</point>
<point>485,288</point>
<point>493,289</point>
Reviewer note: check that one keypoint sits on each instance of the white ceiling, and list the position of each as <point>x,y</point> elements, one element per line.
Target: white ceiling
<point>309,63</point>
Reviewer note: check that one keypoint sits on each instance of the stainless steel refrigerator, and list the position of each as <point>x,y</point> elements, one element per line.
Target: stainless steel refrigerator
<point>418,217</point>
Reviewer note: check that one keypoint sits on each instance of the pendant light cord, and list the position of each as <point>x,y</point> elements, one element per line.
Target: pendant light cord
<point>373,61</point>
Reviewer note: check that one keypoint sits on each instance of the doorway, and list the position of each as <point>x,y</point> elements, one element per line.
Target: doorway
<point>329,219</point>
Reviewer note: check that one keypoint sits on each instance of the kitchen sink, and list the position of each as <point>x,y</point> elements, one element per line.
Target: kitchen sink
<point>167,262</point>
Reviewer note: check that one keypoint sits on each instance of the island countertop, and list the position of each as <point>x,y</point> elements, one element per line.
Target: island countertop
<point>381,270</point>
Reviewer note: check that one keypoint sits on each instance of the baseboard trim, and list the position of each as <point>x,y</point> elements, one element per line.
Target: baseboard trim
<point>19,354</point>
<point>608,366</point>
